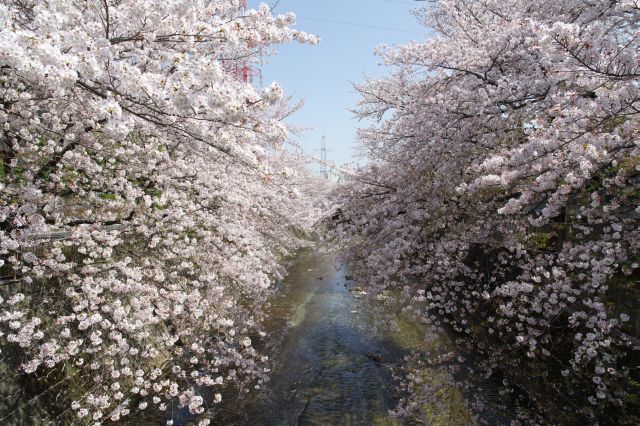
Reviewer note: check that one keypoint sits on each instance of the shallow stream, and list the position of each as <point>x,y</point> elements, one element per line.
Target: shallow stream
<point>331,366</point>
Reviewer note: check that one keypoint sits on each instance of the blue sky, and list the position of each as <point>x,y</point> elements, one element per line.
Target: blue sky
<point>322,75</point>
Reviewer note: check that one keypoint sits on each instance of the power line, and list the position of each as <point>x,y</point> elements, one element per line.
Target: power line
<point>401,2</point>
<point>355,24</point>
<point>276,4</point>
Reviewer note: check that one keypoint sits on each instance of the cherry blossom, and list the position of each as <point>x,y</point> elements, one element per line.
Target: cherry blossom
<point>503,185</point>
<point>148,198</point>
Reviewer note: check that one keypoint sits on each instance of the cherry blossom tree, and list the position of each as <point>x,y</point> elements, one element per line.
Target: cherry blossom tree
<point>501,195</point>
<point>147,199</point>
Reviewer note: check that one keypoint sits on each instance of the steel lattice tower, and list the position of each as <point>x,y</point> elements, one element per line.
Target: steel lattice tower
<point>240,69</point>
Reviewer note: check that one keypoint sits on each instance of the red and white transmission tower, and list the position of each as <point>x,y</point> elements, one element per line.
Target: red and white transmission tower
<point>241,70</point>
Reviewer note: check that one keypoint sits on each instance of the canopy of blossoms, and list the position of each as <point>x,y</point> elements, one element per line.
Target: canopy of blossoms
<point>502,194</point>
<point>147,200</point>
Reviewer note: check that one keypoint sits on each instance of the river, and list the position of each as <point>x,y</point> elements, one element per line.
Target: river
<point>331,366</point>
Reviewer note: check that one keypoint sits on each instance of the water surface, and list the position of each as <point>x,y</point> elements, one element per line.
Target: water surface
<point>329,366</point>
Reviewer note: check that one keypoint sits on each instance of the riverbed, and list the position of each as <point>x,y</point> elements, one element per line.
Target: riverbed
<point>331,365</point>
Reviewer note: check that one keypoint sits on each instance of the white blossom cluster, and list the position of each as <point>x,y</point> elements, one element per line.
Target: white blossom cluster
<point>503,190</point>
<point>147,199</point>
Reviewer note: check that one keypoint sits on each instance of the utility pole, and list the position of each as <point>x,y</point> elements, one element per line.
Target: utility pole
<point>323,156</point>
<point>325,169</point>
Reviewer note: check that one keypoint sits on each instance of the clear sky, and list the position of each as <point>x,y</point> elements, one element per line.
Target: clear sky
<point>323,74</point>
